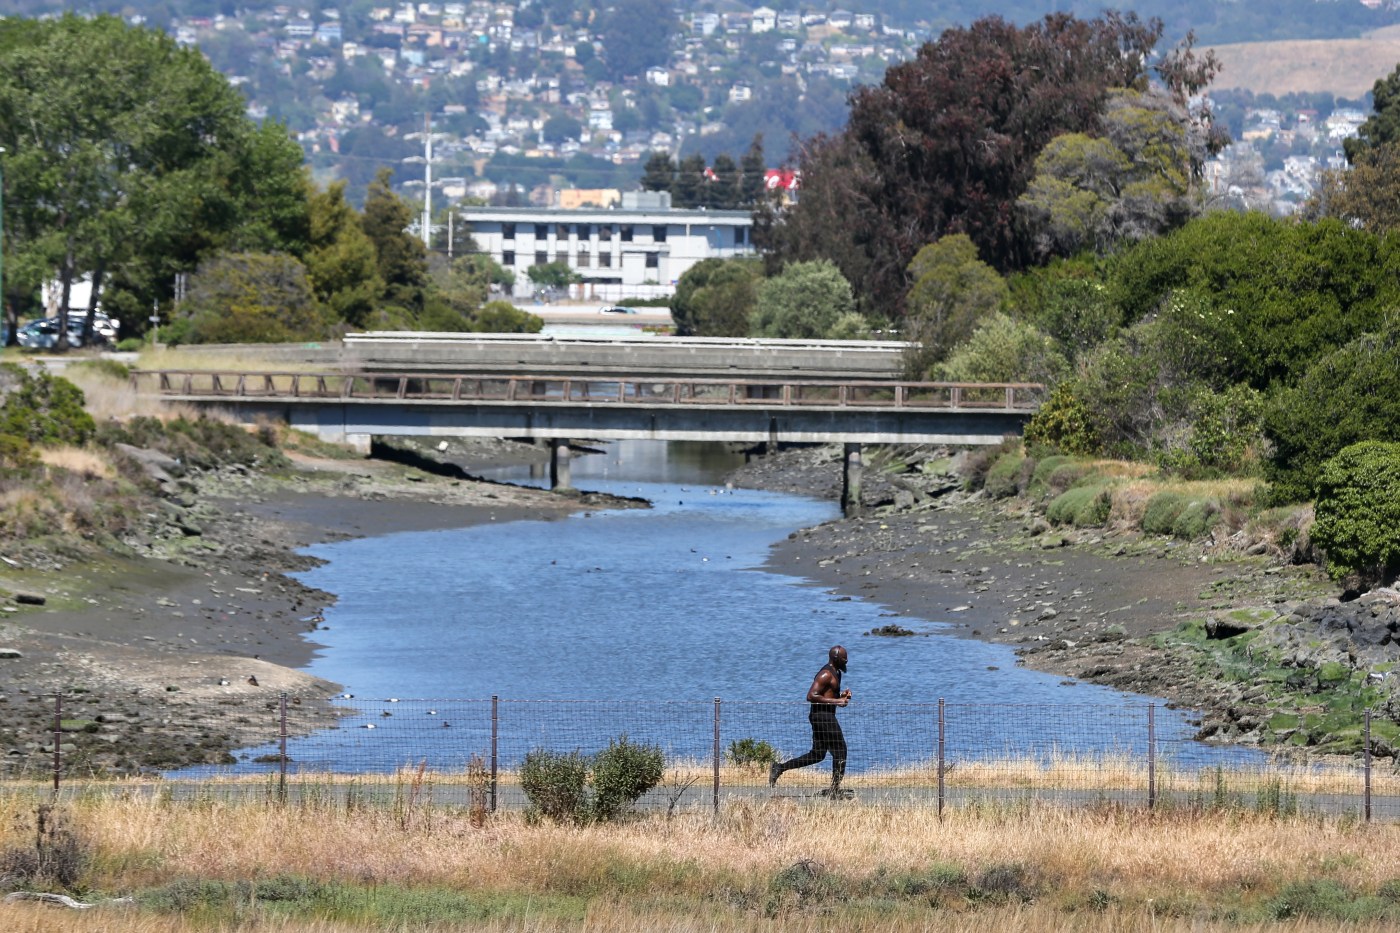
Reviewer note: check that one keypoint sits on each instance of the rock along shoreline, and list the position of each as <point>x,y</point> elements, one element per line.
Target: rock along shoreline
<point>179,652</point>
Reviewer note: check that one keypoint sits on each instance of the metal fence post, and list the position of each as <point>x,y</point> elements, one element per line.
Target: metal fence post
<point>940,758</point>
<point>282,748</point>
<point>57,739</point>
<point>1366,757</point>
<point>495,734</point>
<point>715,755</point>
<point>1151,755</point>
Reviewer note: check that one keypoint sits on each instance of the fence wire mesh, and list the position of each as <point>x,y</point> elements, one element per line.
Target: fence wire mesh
<point>919,754</point>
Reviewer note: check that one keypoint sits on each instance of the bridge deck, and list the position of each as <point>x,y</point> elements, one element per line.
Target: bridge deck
<point>346,406</point>
<point>548,389</point>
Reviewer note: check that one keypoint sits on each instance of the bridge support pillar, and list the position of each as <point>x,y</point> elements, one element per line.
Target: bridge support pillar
<point>361,442</point>
<point>850,482</point>
<point>559,456</point>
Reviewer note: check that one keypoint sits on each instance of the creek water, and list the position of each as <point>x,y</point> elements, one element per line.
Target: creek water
<point>634,621</point>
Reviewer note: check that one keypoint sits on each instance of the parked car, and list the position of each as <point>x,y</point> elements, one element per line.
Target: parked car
<point>617,309</point>
<point>43,334</point>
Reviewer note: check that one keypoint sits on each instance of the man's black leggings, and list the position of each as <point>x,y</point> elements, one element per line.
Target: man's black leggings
<point>826,737</point>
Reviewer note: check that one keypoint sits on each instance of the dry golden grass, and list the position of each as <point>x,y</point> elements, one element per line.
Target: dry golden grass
<point>85,462</point>
<point>244,359</point>
<point>1130,498</point>
<point>607,917</point>
<point>1344,67</point>
<point>1155,871</point>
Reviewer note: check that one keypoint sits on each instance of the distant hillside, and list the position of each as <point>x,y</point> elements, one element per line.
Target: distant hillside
<point>1343,67</point>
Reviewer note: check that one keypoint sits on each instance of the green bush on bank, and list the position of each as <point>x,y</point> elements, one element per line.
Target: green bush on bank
<point>1358,512</point>
<point>1180,516</point>
<point>1082,507</point>
<point>1003,479</point>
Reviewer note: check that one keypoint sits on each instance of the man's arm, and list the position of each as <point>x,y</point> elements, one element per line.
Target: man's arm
<point>823,691</point>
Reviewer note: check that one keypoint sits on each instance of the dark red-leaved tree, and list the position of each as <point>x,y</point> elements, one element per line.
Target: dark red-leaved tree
<point>947,142</point>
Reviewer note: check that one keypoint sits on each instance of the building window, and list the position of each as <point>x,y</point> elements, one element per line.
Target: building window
<point>741,236</point>
<point>653,260</point>
<point>658,233</point>
<point>541,257</point>
<point>626,233</point>
<point>508,258</point>
<point>561,257</point>
<point>604,233</point>
<point>541,231</point>
<point>585,231</point>
<point>561,231</point>
<point>604,260</point>
<point>507,231</point>
<point>584,260</point>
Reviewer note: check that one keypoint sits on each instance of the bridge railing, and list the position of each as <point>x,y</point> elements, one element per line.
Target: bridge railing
<point>551,389</point>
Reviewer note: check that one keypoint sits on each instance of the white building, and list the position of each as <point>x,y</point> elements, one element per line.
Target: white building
<point>638,250</point>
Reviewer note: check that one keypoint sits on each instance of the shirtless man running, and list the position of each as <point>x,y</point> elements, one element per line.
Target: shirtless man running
<point>825,695</point>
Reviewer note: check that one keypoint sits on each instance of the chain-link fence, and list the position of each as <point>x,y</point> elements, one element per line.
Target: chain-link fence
<point>933,754</point>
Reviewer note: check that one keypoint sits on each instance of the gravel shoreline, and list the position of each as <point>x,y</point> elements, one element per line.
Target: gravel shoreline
<point>1087,607</point>
<point>180,655</point>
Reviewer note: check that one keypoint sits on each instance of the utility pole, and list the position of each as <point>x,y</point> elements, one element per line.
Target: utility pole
<point>427,182</point>
<point>427,159</point>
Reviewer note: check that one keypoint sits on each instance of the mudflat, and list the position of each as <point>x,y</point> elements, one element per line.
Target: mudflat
<point>177,657</point>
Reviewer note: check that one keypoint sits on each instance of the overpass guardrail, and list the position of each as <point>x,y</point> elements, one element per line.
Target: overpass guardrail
<point>573,390</point>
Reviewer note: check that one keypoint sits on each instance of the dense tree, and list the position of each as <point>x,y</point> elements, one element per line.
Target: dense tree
<point>1289,293</point>
<point>502,317</point>
<point>1132,182</point>
<point>401,256</point>
<point>1347,396</point>
<point>1004,350</point>
<point>1366,195</point>
<point>340,259</point>
<point>553,275</point>
<point>659,173</point>
<point>716,298</point>
<point>1383,126</point>
<point>804,301</point>
<point>953,292</point>
<point>132,159</point>
<point>251,298</point>
<point>637,35</point>
<point>947,143</point>
<point>752,173</point>
<point>561,128</point>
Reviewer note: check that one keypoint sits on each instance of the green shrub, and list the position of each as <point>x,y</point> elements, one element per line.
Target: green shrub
<point>1196,519</point>
<point>1040,477</point>
<point>1063,422</point>
<point>16,455</point>
<point>622,772</point>
<point>1082,507</point>
<point>555,783</point>
<point>1067,475</point>
<point>1358,512</point>
<point>131,344</point>
<point>1002,478</point>
<point>42,408</point>
<point>202,443</point>
<point>1163,509</point>
<point>574,787</point>
<point>1348,396</point>
<point>750,752</point>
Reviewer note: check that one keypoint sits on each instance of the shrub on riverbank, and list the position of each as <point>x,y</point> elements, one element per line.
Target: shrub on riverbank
<point>1358,512</point>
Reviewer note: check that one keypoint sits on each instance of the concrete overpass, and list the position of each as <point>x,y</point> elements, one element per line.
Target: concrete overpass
<point>641,356</point>
<point>352,407</point>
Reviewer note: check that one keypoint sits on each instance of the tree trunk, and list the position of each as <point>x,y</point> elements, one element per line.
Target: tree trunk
<point>66,278</point>
<point>88,328</point>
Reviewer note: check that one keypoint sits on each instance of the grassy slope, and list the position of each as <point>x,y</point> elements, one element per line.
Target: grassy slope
<point>1345,67</point>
